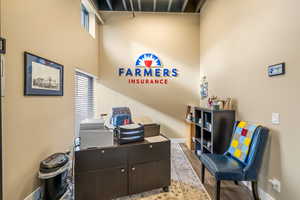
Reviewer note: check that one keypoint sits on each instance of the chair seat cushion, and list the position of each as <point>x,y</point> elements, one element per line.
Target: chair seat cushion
<point>223,167</point>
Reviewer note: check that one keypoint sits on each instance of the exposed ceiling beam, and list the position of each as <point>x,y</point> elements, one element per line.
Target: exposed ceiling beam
<point>154,5</point>
<point>140,5</point>
<point>132,9</point>
<point>170,5</point>
<point>200,5</point>
<point>109,4</point>
<point>184,5</point>
<point>125,5</point>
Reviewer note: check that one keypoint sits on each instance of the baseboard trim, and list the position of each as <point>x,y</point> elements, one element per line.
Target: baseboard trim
<point>262,194</point>
<point>177,140</point>
<point>35,195</point>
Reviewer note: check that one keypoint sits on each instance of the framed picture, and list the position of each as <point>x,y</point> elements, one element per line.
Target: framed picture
<point>276,70</point>
<point>42,77</point>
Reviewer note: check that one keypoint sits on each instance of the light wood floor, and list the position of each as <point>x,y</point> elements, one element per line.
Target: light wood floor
<point>229,191</point>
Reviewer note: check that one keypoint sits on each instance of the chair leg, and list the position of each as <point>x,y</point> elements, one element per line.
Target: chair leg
<point>218,190</point>
<point>255,190</point>
<point>203,173</point>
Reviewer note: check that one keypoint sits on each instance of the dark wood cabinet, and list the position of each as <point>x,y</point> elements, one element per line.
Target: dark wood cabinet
<point>120,170</point>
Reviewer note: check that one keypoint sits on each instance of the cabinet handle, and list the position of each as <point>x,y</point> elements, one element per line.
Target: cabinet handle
<point>102,151</point>
<point>133,169</point>
<point>151,146</point>
<point>122,170</point>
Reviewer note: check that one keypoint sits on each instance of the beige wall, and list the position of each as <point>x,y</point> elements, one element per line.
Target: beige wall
<point>175,39</point>
<point>238,40</point>
<point>35,127</point>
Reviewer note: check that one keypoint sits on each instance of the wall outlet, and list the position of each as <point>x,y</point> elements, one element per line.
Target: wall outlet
<point>275,184</point>
<point>275,118</point>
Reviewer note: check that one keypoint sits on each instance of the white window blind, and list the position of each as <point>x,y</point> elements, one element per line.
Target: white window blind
<point>84,99</point>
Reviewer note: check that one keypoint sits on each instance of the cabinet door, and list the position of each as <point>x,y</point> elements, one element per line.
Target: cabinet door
<point>101,184</point>
<point>85,185</point>
<point>149,176</point>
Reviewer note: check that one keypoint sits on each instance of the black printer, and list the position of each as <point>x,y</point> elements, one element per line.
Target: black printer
<point>129,133</point>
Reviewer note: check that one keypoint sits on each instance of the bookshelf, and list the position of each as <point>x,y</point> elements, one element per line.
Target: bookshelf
<point>213,129</point>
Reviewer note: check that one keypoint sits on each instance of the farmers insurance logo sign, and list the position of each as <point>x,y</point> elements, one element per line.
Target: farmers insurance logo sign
<point>148,70</point>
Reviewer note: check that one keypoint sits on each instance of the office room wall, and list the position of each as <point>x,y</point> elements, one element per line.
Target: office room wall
<point>238,41</point>
<point>174,38</point>
<point>35,127</point>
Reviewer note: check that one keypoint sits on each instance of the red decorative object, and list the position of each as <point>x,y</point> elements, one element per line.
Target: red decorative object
<point>148,63</point>
<point>244,132</point>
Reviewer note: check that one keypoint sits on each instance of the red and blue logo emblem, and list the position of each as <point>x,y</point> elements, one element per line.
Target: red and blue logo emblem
<point>148,70</point>
<point>148,60</point>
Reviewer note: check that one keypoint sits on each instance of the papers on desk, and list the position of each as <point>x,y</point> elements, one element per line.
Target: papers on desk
<point>130,126</point>
<point>156,139</point>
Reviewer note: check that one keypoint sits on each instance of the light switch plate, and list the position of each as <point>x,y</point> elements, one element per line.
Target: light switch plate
<point>275,118</point>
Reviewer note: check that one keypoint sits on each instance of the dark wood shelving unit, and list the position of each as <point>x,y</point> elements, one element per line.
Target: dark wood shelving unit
<point>213,130</point>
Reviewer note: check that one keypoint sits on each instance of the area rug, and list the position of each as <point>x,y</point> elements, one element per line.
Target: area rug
<point>185,185</point>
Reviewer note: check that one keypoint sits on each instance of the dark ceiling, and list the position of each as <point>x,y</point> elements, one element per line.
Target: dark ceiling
<point>188,6</point>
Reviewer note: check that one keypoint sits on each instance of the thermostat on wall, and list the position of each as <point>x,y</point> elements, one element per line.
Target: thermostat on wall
<point>275,70</point>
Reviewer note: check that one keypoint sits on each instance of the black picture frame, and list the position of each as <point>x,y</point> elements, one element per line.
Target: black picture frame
<point>32,88</point>
<point>2,45</point>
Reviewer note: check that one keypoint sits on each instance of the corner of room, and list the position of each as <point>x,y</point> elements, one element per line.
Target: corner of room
<point>149,99</point>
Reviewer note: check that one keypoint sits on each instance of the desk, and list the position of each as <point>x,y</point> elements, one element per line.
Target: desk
<point>106,172</point>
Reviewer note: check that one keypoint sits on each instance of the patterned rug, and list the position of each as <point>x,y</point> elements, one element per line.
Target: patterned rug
<point>186,185</point>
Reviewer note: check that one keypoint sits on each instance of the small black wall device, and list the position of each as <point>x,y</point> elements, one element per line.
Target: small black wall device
<point>2,45</point>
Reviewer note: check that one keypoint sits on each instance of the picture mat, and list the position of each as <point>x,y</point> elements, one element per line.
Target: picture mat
<point>45,72</point>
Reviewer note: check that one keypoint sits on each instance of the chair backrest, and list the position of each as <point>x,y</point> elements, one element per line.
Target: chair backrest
<point>255,155</point>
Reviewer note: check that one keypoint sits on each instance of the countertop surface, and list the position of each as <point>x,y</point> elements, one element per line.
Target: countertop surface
<point>99,139</point>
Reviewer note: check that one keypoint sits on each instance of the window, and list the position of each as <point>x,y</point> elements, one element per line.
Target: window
<point>85,22</point>
<point>84,99</point>
<point>88,17</point>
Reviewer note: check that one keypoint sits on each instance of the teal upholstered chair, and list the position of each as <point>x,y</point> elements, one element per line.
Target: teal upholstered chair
<point>227,167</point>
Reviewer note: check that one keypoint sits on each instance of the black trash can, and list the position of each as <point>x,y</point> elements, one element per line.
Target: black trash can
<point>54,173</point>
